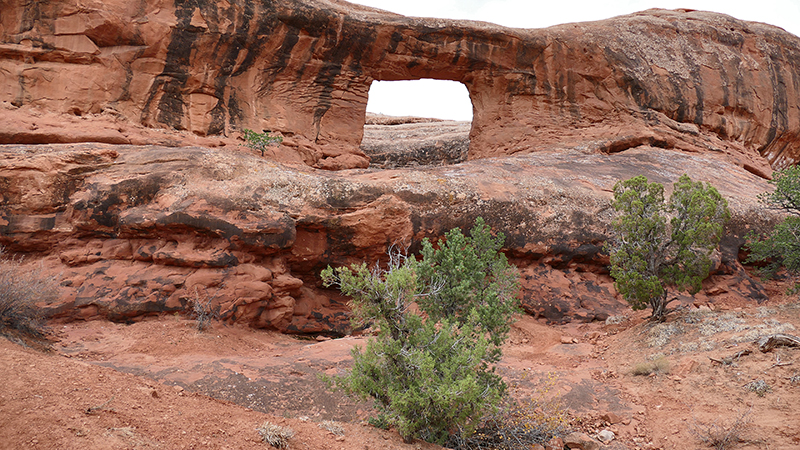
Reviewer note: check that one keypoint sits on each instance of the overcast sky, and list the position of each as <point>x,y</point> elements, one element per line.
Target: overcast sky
<point>449,100</point>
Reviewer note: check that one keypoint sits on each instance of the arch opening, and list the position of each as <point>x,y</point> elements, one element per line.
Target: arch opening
<point>417,123</point>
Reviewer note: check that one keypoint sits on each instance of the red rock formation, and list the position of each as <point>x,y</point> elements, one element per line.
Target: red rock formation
<point>137,230</point>
<point>685,80</point>
<point>146,230</point>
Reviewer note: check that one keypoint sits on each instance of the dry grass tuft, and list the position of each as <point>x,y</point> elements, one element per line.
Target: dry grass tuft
<point>760,387</point>
<point>657,366</point>
<point>332,427</point>
<point>20,290</point>
<point>722,437</point>
<point>275,435</point>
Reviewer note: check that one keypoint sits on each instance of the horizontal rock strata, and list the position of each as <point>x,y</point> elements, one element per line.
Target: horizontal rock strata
<point>134,231</point>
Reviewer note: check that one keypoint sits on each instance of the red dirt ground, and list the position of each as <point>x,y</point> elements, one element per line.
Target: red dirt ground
<point>162,384</point>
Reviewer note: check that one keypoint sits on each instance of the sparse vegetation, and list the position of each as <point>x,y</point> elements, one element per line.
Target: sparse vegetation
<point>616,320</point>
<point>722,437</point>
<point>275,435</point>
<point>332,427</point>
<point>650,253</point>
<point>657,366</point>
<point>202,310</point>
<point>759,387</point>
<point>781,247</point>
<point>20,290</point>
<point>659,334</point>
<point>260,141</point>
<point>519,423</point>
<point>431,373</point>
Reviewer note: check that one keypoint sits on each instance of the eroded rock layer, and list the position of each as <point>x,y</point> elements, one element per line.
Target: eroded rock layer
<point>684,80</point>
<point>560,115</point>
<point>134,231</point>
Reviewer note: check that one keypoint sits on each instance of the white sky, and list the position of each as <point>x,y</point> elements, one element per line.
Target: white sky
<point>449,100</point>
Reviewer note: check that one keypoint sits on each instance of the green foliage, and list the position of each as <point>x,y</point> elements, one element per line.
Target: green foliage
<point>430,373</point>
<point>471,275</point>
<point>658,245</point>
<point>786,196</point>
<point>781,247</point>
<point>260,141</point>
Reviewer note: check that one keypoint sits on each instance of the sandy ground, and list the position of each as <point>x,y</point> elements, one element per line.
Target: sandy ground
<point>162,384</point>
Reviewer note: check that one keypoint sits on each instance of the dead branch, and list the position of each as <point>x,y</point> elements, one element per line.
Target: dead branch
<point>778,363</point>
<point>730,359</point>
<point>767,343</point>
<point>93,409</point>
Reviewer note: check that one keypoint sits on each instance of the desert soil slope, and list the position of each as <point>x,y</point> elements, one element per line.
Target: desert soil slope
<point>162,384</point>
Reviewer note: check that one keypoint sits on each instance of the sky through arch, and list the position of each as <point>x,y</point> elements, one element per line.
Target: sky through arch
<point>441,99</point>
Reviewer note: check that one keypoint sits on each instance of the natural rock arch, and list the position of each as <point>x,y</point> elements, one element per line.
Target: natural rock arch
<point>680,79</point>
<point>134,229</point>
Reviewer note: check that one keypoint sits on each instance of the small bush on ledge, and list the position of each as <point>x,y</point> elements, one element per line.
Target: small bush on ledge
<point>260,141</point>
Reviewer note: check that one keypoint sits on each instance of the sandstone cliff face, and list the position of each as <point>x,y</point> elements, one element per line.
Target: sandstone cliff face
<point>145,230</point>
<point>682,80</point>
<point>560,115</point>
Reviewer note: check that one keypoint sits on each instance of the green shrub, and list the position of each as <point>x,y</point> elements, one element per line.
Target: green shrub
<point>20,289</point>
<point>260,141</point>
<point>471,275</point>
<point>430,374</point>
<point>657,245</point>
<point>781,247</point>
